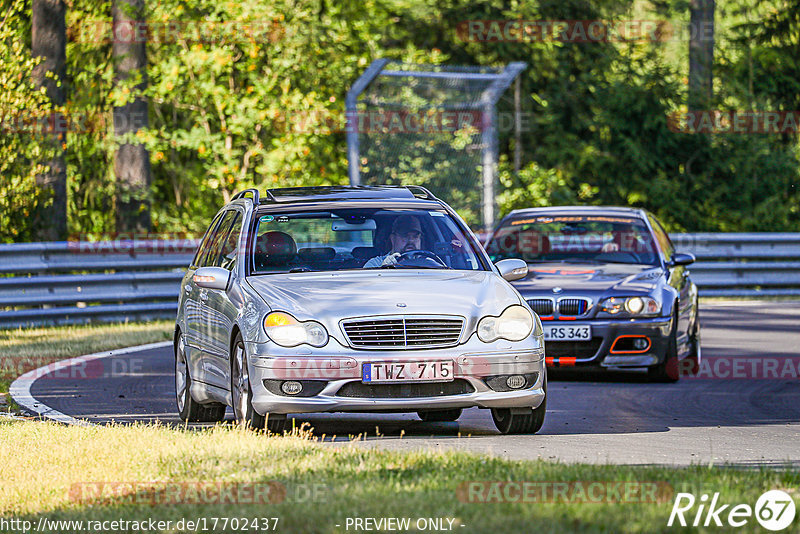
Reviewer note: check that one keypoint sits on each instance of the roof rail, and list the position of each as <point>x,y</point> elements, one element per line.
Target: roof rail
<point>241,194</point>
<point>271,196</point>
<point>421,192</point>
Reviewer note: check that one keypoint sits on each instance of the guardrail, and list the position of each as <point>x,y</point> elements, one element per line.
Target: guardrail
<point>743,265</point>
<point>76,282</point>
<point>72,282</point>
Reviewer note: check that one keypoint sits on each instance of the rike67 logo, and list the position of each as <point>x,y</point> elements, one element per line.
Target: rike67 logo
<point>774,510</point>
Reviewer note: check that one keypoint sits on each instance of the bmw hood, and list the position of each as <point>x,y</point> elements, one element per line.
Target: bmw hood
<point>329,297</point>
<point>589,277</point>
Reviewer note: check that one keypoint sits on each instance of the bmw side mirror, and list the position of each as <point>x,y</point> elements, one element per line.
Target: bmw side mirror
<point>512,269</point>
<point>681,258</point>
<point>212,278</point>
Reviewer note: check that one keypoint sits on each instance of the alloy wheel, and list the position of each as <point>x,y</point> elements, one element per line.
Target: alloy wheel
<point>180,375</point>
<point>241,384</point>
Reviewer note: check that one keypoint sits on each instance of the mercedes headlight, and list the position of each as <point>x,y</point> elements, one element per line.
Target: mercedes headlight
<point>514,324</point>
<point>630,306</point>
<point>287,331</point>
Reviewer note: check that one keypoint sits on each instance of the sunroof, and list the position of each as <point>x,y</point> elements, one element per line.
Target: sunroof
<point>300,194</point>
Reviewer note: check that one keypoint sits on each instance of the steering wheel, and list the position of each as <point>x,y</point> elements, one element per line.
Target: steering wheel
<point>417,254</point>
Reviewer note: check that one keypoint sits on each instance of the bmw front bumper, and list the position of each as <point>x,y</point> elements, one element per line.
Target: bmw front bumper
<point>604,354</point>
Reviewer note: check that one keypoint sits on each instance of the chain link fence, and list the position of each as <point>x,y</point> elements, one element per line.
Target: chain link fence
<point>429,125</point>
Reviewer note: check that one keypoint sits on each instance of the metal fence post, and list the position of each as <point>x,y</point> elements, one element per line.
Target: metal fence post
<point>351,110</point>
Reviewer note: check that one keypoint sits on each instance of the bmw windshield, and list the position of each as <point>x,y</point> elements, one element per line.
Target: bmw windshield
<point>574,238</point>
<point>360,238</point>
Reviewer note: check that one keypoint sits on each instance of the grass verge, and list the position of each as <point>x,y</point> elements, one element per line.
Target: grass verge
<point>50,471</point>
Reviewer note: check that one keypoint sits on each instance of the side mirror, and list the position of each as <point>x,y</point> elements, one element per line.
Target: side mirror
<point>681,258</point>
<point>512,269</point>
<point>212,278</point>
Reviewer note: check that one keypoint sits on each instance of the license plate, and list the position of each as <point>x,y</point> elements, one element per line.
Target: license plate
<point>568,333</point>
<point>441,371</point>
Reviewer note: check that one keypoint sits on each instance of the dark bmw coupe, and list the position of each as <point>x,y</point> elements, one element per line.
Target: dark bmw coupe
<point>608,285</point>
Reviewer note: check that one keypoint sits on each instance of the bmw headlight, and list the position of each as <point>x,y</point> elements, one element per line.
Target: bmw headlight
<point>514,324</point>
<point>630,306</point>
<point>287,331</point>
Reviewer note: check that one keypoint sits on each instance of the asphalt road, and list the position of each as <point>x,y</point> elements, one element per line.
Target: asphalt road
<point>616,419</point>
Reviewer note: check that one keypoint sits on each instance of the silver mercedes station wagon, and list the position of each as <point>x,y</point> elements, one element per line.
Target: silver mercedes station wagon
<point>353,299</point>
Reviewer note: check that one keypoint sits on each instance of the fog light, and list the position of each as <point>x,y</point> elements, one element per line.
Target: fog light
<point>640,343</point>
<point>291,387</point>
<point>515,381</point>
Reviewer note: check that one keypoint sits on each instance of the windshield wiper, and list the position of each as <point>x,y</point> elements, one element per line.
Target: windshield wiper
<point>401,266</point>
<point>576,260</point>
<point>302,270</point>
<point>602,261</point>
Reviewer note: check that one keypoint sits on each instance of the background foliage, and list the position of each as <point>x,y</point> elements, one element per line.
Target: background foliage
<point>265,109</point>
<point>21,148</point>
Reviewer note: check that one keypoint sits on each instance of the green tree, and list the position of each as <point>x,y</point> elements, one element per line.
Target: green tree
<point>25,129</point>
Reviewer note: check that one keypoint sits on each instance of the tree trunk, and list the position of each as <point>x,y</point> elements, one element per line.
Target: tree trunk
<point>132,161</point>
<point>701,54</point>
<point>48,41</point>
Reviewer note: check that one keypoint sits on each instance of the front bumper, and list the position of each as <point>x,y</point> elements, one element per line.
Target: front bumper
<point>341,366</point>
<point>604,333</point>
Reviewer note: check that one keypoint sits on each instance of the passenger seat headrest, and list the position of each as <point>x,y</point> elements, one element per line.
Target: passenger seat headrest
<point>276,248</point>
<point>316,254</point>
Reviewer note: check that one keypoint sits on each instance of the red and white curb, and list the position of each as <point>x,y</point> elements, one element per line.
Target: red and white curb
<point>20,389</point>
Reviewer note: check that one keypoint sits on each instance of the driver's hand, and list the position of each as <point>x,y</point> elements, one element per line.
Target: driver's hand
<point>391,259</point>
<point>610,247</point>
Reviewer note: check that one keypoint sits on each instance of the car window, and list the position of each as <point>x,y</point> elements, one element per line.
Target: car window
<point>341,239</point>
<point>662,237</point>
<point>215,247</point>
<point>205,243</point>
<point>227,256</point>
<point>554,238</point>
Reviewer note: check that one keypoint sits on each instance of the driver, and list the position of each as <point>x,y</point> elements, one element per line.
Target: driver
<point>406,235</point>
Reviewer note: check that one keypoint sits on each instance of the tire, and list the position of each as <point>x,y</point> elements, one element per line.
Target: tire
<point>669,369</point>
<point>516,423</point>
<point>241,390</point>
<point>189,409</point>
<point>276,423</point>
<point>431,416</point>
<point>242,394</point>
